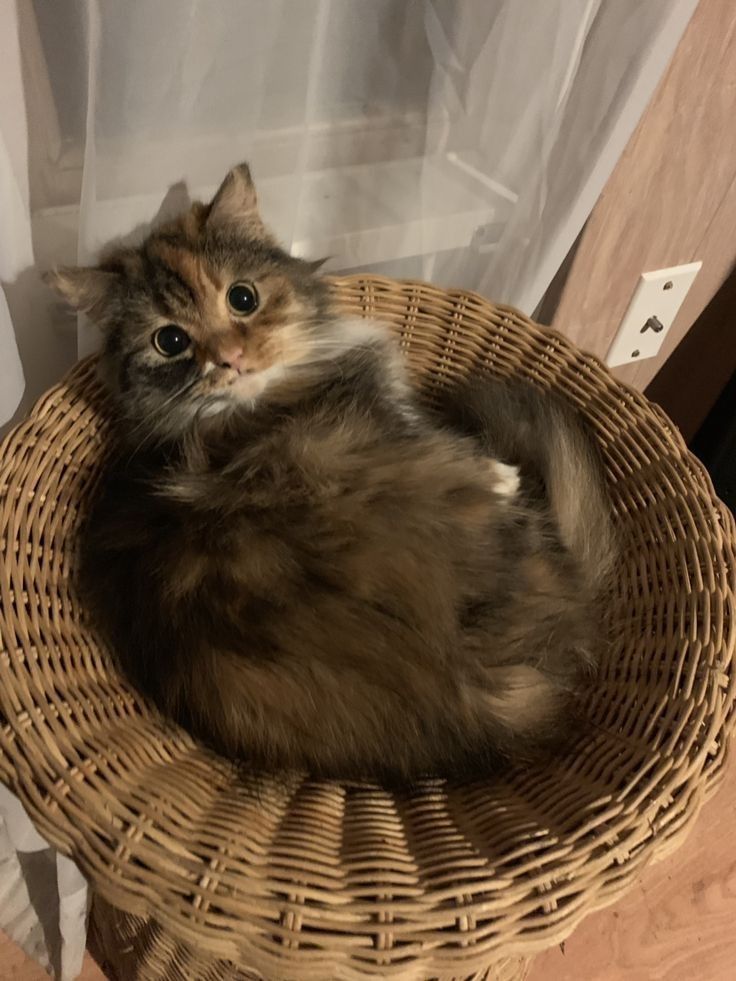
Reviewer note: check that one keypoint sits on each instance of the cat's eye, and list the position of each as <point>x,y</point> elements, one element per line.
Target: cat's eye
<point>171,340</point>
<point>242,298</point>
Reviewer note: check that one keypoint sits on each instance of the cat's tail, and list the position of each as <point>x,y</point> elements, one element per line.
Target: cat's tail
<point>556,456</point>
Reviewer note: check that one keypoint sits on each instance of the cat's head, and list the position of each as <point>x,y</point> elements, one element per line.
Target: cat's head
<point>207,315</point>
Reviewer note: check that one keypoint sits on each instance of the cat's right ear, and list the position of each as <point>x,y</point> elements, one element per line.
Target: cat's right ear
<point>236,204</point>
<point>86,289</point>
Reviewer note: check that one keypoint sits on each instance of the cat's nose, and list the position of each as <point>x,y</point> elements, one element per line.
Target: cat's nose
<point>232,357</point>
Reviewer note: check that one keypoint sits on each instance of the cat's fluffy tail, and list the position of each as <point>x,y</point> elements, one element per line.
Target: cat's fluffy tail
<point>556,456</point>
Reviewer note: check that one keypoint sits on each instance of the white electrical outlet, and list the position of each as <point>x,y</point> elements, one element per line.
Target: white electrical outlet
<point>653,308</point>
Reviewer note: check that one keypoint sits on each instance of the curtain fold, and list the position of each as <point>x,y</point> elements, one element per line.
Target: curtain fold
<point>43,895</point>
<point>16,251</point>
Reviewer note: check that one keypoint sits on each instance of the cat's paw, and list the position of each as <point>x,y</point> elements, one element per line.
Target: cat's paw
<point>505,479</point>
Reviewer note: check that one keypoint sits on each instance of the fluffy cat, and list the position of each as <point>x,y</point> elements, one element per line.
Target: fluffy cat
<point>291,557</point>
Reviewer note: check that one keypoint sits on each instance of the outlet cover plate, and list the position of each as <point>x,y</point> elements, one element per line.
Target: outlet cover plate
<point>658,294</point>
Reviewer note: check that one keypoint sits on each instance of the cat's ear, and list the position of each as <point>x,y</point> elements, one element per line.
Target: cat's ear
<point>86,289</point>
<point>235,202</point>
<point>314,265</point>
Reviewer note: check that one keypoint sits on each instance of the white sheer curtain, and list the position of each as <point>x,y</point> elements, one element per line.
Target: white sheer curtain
<point>16,250</point>
<point>462,142</point>
<point>465,142</point>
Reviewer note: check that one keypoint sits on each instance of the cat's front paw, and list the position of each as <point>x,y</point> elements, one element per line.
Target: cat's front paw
<point>505,479</point>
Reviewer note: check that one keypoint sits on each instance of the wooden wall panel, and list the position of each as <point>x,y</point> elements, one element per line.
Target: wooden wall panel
<point>693,377</point>
<point>671,198</point>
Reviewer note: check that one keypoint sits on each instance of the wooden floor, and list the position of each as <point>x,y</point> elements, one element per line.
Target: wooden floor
<point>677,924</point>
<point>16,966</point>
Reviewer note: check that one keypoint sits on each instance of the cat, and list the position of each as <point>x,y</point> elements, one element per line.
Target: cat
<point>296,561</point>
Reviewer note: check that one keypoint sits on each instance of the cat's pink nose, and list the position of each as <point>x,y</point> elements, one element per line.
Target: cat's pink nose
<point>232,357</point>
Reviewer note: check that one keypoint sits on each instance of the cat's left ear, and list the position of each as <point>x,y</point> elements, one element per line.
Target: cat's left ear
<point>87,289</point>
<point>314,265</point>
<point>235,203</point>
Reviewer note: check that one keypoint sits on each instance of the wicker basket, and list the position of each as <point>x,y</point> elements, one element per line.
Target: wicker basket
<point>198,873</point>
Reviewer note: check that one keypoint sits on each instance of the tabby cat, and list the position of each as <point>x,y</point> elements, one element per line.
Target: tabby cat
<point>292,557</point>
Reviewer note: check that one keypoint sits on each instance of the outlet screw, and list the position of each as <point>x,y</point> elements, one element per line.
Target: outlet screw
<point>635,354</point>
<point>668,285</point>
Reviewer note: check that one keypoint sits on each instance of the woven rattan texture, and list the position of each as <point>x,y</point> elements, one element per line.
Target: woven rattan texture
<point>301,879</point>
<point>129,946</point>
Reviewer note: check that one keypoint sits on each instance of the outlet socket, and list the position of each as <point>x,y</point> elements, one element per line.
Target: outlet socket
<point>655,304</point>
